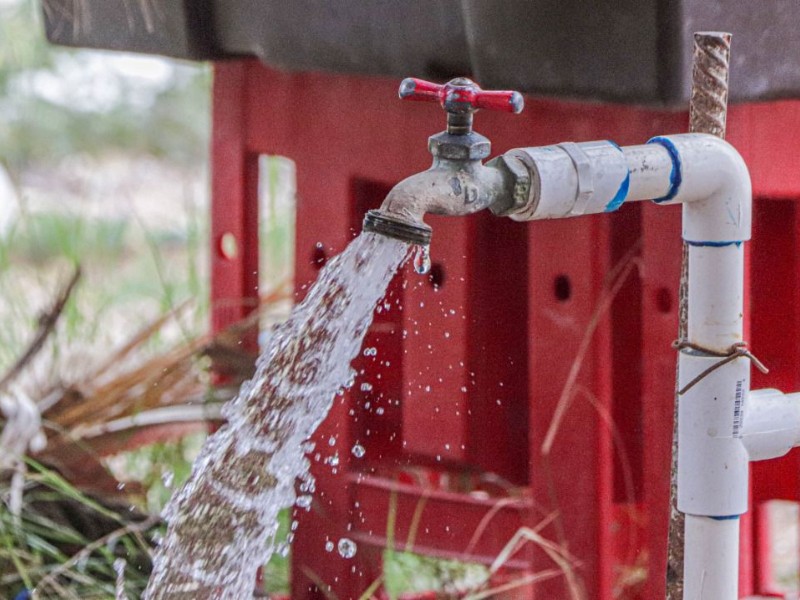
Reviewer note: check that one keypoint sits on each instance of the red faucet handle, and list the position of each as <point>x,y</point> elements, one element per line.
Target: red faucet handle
<point>460,96</point>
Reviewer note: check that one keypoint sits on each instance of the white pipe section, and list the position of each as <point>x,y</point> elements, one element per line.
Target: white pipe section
<point>709,177</point>
<point>772,424</point>
<point>701,171</point>
<point>711,572</point>
<point>716,295</point>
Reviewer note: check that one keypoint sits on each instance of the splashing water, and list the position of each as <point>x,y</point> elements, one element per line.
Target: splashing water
<point>422,260</point>
<point>223,522</point>
<point>347,548</point>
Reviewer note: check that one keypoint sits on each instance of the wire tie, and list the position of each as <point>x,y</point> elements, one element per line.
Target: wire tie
<point>737,350</point>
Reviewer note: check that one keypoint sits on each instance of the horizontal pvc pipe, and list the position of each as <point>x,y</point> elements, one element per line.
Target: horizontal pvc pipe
<point>704,173</point>
<point>771,424</point>
<point>571,179</point>
<point>650,166</point>
<point>711,556</point>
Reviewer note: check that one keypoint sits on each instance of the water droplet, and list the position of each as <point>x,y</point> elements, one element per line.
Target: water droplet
<point>120,486</point>
<point>379,410</point>
<point>366,387</point>
<point>329,546</point>
<point>358,451</point>
<point>422,260</point>
<point>167,477</point>
<point>347,548</point>
<point>303,502</point>
<point>294,525</point>
<point>331,441</point>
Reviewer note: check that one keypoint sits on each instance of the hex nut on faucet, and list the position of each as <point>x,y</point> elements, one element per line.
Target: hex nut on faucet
<point>515,171</point>
<point>471,146</point>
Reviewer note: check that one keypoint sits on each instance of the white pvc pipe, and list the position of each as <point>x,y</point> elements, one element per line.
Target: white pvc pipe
<point>709,177</point>
<point>650,166</point>
<point>711,559</point>
<point>772,426</point>
<point>704,173</point>
<point>716,295</point>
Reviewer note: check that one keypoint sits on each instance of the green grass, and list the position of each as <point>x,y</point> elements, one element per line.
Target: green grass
<point>42,237</point>
<point>40,545</point>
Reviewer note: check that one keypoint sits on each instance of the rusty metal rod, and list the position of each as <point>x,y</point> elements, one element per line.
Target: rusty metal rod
<point>708,110</point>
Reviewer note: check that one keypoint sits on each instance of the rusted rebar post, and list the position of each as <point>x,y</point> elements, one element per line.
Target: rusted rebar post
<point>708,109</point>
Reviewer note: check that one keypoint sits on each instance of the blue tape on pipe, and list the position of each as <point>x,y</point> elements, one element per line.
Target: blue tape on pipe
<point>726,518</point>
<point>675,176</point>
<point>622,192</point>
<point>715,244</point>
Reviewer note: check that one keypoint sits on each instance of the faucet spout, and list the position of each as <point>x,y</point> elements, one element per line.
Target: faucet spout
<point>457,183</point>
<point>449,187</point>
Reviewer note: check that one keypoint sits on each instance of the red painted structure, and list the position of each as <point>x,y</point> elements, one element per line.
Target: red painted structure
<point>472,360</point>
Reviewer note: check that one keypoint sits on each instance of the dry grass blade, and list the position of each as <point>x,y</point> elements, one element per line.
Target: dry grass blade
<point>618,277</point>
<point>321,585</point>
<point>138,339</point>
<point>559,555</point>
<point>48,580</point>
<point>514,584</point>
<point>47,323</point>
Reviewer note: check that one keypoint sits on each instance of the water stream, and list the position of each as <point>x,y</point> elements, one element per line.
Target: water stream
<point>223,522</point>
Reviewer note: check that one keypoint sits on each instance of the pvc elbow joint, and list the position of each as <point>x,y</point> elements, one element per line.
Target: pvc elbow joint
<point>711,180</point>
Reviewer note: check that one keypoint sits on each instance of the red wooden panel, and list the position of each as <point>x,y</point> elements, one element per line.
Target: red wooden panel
<point>425,518</point>
<point>567,263</point>
<point>362,133</point>
<point>234,204</point>
<point>436,374</point>
<point>660,273</point>
<point>497,341</point>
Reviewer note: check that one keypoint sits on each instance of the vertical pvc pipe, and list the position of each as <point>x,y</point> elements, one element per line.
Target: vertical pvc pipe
<point>717,540</point>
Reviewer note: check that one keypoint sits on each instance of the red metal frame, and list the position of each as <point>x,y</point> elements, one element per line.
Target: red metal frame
<point>522,298</point>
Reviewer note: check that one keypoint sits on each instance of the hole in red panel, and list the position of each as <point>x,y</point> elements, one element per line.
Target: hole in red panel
<point>228,246</point>
<point>562,288</point>
<point>436,275</point>
<point>318,256</point>
<point>663,300</point>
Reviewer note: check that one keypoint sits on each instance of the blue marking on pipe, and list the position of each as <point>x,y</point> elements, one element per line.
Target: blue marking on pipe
<point>675,177</point>
<point>622,192</point>
<point>726,518</point>
<point>736,243</point>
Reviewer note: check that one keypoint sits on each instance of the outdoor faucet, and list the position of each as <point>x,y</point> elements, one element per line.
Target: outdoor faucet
<point>457,182</point>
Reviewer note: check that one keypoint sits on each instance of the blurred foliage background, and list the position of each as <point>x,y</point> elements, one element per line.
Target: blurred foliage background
<point>58,102</point>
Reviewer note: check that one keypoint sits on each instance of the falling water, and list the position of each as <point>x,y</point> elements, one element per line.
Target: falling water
<point>223,522</point>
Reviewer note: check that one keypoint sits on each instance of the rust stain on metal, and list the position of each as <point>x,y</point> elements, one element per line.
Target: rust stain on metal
<point>709,104</point>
